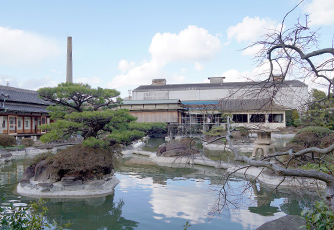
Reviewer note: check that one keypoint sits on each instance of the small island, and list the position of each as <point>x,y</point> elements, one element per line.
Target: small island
<point>85,169</point>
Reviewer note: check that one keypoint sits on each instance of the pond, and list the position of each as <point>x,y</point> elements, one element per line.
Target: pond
<point>150,196</point>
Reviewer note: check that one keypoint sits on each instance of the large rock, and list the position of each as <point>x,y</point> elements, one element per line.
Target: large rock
<point>45,187</point>
<point>175,146</point>
<point>29,173</point>
<point>41,172</point>
<point>287,222</point>
<point>5,154</point>
<point>175,150</point>
<point>161,149</point>
<point>174,153</point>
<point>71,181</point>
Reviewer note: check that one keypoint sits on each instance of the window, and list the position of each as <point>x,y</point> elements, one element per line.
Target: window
<point>258,118</point>
<point>240,118</point>
<point>275,118</point>
<point>27,122</point>
<point>19,124</point>
<point>12,122</point>
<point>4,124</point>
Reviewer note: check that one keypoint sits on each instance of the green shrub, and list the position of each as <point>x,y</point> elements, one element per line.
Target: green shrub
<point>311,136</point>
<point>126,137</point>
<point>320,217</point>
<point>27,142</point>
<point>7,140</point>
<point>93,142</point>
<point>216,131</point>
<point>151,129</point>
<point>31,217</point>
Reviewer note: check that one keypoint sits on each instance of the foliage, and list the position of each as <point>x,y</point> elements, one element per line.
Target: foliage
<point>216,131</point>
<point>82,161</point>
<point>320,217</point>
<point>224,117</point>
<point>292,118</point>
<point>319,167</point>
<point>310,136</point>
<point>187,225</point>
<point>320,112</point>
<point>31,217</point>
<point>151,129</point>
<point>7,140</point>
<point>79,97</point>
<point>126,137</point>
<point>27,142</point>
<point>82,110</point>
<point>38,158</point>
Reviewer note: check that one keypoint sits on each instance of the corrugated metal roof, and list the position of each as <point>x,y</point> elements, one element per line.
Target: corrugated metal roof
<point>249,104</point>
<point>225,85</point>
<point>141,102</point>
<point>200,102</point>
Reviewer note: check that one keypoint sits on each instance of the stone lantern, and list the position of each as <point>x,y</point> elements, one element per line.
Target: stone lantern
<point>263,143</point>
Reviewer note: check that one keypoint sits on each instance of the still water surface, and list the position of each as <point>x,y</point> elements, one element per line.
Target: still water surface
<point>155,197</point>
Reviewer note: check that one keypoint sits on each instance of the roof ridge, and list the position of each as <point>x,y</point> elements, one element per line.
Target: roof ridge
<point>17,89</point>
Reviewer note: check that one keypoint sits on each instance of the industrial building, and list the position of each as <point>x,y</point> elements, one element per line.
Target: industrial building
<point>250,103</point>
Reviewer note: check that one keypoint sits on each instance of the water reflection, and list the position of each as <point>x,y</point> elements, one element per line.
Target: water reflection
<point>150,196</point>
<point>193,195</point>
<point>90,213</point>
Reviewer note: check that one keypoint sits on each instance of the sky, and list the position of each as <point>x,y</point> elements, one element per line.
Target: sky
<point>124,44</point>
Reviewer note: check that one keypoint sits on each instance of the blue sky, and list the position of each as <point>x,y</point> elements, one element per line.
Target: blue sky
<point>124,44</point>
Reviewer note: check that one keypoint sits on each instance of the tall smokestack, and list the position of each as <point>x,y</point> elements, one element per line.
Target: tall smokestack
<point>69,71</point>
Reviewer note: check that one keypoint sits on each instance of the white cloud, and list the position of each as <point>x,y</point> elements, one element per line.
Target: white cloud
<point>91,81</point>
<point>11,80</point>
<point>35,84</point>
<point>125,65</point>
<point>234,75</point>
<point>183,70</point>
<point>178,78</point>
<point>56,71</point>
<point>251,29</point>
<point>191,44</point>
<point>252,50</point>
<point>138,75</point>
<point>20,48</point>
<point>199,66</point>
<point>321,12</point>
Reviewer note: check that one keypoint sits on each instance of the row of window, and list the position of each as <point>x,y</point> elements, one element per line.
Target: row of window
<point>258,118</point>
<point>19,122</point>
<point>237,118</point>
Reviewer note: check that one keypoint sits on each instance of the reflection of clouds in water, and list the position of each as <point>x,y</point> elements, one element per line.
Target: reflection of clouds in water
<point>190,203</point>
<point>250,220</point>
<point>130,182</point>
<point>186,199</point>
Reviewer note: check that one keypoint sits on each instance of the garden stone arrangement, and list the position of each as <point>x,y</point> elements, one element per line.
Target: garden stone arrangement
<point>63,175</point>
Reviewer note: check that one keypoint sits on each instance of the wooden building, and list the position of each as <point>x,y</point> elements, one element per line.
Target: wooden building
<point>22,112</point>
<point>170,111</point>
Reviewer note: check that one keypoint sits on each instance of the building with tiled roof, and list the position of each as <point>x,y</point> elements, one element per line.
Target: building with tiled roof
<point>22,112</point>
